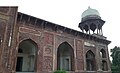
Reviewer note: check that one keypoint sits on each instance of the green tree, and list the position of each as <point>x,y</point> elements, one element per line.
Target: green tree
<point>116,59</point>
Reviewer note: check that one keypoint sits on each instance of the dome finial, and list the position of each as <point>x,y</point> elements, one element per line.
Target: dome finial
<point>88,7</point>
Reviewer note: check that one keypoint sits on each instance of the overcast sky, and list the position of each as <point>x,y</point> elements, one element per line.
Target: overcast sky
<point>68,13</point>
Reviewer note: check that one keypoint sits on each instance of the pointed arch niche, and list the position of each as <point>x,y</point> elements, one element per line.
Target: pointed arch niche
<point>102,53</point>
<point>90,61</point>
<point>26,58</point>
<point>65,57</point>
<point>104,65</point>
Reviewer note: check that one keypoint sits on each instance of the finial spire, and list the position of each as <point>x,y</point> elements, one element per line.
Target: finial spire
<point>88,7</point>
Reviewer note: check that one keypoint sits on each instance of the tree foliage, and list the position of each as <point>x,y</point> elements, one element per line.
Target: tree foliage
<point>116,59</point>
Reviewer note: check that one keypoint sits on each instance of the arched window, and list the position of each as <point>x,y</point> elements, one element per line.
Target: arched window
<point>90,61</point>
<point>26,58</point>
<point>104,66</point>
<point>65,57</point>
<point>102,53</point>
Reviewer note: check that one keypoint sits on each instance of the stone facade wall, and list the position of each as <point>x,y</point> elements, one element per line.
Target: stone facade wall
<point>47,40</point>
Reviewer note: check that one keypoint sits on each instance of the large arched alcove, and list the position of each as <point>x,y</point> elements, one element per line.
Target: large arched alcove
<point>65,57</point>
<point>26,58</point>
<point>90,61</point>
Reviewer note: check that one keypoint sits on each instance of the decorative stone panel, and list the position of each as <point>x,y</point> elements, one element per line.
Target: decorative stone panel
<point>48,38</point>
<point>47,63</point>
<point>48,51</point>
<point>79,55</point>
<point>4,9</point>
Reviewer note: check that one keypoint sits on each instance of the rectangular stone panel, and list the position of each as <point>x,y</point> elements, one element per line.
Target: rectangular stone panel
<point>48,52</point>
<point>48,38</point>
<point>4,9</point>
<point>79,49</point>
<point>80,64</point>
<point>30,31</point>
<point>79,55</point>
<point>47,63</point>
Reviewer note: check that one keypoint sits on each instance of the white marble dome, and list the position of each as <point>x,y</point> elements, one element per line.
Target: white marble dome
<point>90,12</point>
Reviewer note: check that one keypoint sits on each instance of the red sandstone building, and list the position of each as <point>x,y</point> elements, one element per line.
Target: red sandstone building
<point>32,45</point>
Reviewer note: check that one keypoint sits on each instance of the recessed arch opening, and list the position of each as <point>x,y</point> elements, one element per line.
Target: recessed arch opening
<point>90,61</point>
<point>102,53</point>
<point>65,57</point>
<point>104,65</point>
<point>26,57</point>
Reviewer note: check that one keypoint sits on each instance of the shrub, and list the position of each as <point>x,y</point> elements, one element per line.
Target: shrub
<point>60,71</point>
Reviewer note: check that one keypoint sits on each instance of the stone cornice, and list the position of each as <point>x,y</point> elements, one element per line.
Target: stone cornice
<point>55,27</point>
